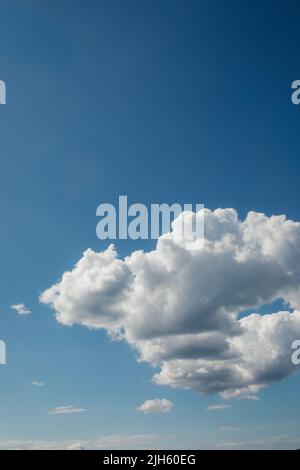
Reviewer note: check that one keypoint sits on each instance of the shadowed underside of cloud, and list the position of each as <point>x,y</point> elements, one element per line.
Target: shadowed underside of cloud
<point>179,308</point>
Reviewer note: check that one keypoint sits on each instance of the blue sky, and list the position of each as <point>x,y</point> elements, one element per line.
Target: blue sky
<point>161,101</point>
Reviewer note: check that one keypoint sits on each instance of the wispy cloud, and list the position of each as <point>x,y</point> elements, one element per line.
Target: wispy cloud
<point>37,384</point>
<point>283,441</point>
<point>228,429</point>
<point>21,309</point>
<point>103,442</point>
<point>250,397</point>
<point>61,410</point>
<point>220,406</point>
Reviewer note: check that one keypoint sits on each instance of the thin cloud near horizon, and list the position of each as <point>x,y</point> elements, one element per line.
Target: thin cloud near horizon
<point>69,409</point>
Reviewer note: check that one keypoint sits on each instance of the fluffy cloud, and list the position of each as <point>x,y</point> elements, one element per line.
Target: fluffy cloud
<point>156,406</point>
<point>21,309</point>
<point>62,410</point>
<point>180,308</point>
<point>94,293</point>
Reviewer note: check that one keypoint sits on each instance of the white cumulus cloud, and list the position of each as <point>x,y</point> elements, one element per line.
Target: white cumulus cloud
<point>180,309</point>
<point>156,406</point>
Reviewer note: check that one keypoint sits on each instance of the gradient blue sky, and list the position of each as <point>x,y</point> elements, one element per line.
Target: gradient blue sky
<point>165,101</point>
